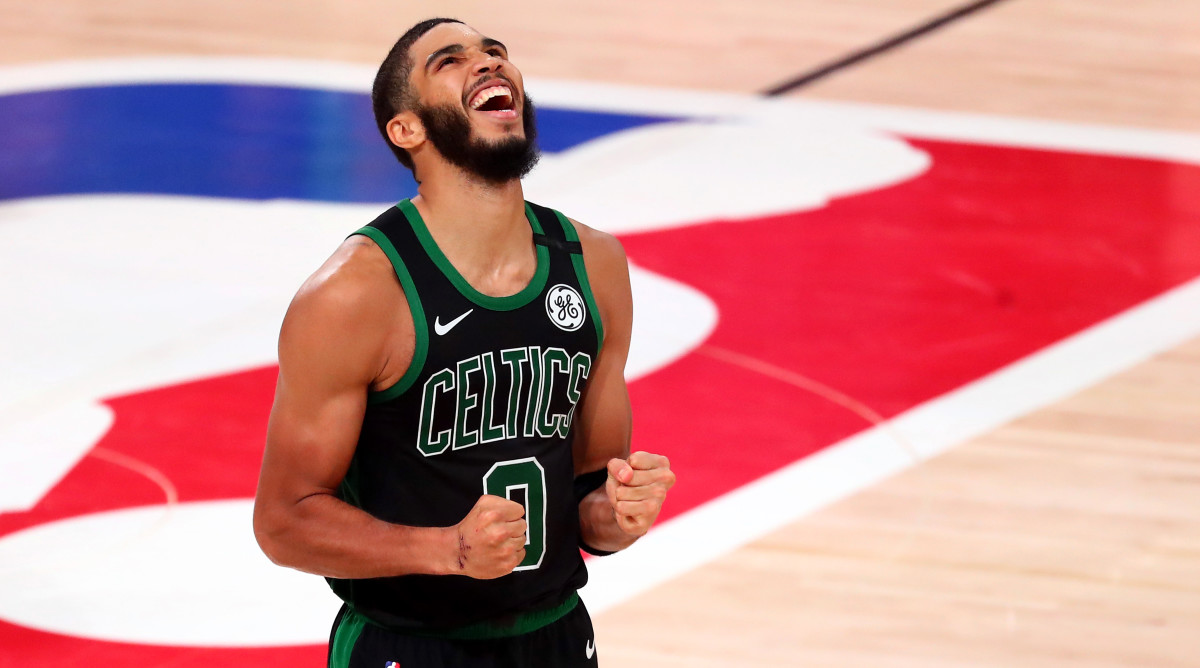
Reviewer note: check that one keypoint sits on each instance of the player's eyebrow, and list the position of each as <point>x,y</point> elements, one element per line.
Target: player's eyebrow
<point>445,50</point>
<point>487,43</point>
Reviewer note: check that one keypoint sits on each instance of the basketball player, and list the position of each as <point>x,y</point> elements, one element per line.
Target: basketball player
<point>451,422</point>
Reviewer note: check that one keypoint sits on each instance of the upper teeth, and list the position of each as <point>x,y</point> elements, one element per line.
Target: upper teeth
<point>489,93</point>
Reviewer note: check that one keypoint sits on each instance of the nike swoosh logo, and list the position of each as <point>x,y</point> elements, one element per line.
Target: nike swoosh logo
<point>441,329</point>
<point>590,649</point>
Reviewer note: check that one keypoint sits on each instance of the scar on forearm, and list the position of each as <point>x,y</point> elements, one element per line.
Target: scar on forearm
<point>463,548</point>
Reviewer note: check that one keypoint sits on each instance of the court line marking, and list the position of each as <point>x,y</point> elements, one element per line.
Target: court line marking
<point>170,493</point>
<point>75,559</point>
<point>810,385</point>
<point>749,512</point>
<point>879,47</point>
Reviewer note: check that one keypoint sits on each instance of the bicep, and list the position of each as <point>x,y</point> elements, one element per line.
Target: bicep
<point>311,434</point>
<point>326,363</point>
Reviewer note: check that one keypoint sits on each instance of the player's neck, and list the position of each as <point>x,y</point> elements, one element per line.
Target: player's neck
<point>462,205</point>
<point>475,223</point>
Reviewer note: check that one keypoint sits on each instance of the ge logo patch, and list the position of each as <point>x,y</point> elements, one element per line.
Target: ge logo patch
<point>565,307</point>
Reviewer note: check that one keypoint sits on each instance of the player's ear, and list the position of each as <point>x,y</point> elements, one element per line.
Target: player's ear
<point>405,130</point>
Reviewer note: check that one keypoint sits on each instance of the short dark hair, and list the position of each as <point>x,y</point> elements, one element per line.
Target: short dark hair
<point>390,93</point>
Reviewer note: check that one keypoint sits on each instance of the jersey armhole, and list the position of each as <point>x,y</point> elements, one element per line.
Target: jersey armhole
<point>420,325</point>
<point>581,274</point>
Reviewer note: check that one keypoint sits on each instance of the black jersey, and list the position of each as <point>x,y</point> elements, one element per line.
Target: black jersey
<point>485,407</point>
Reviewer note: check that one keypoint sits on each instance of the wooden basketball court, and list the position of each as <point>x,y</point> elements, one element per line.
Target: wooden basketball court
<point>1067,537</point>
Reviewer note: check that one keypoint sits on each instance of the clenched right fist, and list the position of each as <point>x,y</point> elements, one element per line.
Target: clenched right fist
<point>491,538</point>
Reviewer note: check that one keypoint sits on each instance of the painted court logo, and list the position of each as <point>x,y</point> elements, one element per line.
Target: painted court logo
<point>565,307</point>
<point>164,420</point>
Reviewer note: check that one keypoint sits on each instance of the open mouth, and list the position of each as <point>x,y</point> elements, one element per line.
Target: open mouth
<point>496,101</point>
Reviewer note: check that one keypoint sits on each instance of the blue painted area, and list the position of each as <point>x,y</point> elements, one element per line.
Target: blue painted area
<point>251,142</point>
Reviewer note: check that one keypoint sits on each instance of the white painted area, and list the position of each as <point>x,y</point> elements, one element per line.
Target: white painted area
<point>190,574</point>
<point>684,173</point>
<point>672,318</point>
<point>38,450</point>
<point>775,500</point>
<point>117,286</point>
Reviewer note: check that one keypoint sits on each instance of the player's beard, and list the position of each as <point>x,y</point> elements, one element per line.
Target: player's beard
<point>449,130</point>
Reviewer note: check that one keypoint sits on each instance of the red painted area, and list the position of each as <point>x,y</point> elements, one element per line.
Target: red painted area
<point>899,295</point>
<point>206,436</point>
<point>892,297</point>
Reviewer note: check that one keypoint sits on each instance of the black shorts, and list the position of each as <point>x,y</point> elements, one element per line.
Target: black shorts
<point>566,643</point>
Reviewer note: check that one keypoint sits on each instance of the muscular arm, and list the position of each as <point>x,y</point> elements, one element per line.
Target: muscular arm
<point>331,348</point>
<point>612,517</point>
<point>336,342</point>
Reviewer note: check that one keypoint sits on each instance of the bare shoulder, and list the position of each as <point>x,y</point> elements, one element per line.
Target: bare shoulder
<point>602,252</point>
<point>350,315</point>
<point>347,285</point>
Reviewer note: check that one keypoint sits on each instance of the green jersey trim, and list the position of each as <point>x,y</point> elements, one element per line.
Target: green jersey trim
<point>581,274</point>
<point>420,325</point>
<point>345,638</point>
<point>515,626</point>
<point>509,303</point>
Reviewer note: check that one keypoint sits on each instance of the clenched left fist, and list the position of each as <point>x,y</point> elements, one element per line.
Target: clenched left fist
<point>636,489</point>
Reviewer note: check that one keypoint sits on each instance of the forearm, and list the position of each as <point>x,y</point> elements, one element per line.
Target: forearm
<point>326,536</point>
<point>598,527</point>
